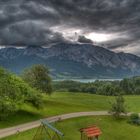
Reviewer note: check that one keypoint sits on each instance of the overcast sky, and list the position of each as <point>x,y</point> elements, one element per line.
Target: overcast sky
<point>113,23</point>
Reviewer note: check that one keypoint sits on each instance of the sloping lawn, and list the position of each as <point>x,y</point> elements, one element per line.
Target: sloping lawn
<point>65,102</point>
<point>58,103</point>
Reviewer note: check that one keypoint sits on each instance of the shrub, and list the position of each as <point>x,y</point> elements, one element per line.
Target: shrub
<point>118,107</point>
<point>134,119</point>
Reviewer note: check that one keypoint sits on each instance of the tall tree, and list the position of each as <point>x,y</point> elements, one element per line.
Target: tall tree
<point>38,77</point>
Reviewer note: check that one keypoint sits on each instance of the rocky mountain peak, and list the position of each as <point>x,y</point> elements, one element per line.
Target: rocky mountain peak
<point>73,60</point>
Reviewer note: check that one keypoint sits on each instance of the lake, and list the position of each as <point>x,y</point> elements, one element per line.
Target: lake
<point>88,80</point>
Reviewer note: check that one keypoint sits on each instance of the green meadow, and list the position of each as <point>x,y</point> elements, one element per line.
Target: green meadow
<point>67,102</point>
<point>111,128</point>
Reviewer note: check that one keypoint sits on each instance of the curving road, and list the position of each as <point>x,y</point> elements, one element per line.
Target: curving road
<point>23,127</point>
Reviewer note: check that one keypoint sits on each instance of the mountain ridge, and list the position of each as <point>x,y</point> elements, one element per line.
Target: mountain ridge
<point>72,60</point>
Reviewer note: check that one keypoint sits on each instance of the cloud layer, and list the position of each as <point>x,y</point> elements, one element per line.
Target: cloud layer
<point>40,22</point>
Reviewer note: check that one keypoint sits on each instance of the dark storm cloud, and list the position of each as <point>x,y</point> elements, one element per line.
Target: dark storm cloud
<point>28,33</point>
<point>31,21</point>
<point>27,23</point>
<point>83,39</point>
<point>111,15</point>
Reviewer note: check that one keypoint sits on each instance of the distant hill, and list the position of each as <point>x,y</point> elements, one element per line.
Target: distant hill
<point>72,61</point>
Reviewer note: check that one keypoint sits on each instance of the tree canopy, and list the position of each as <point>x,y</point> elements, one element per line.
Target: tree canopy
<point>14,92</point>
<point>38,77</point>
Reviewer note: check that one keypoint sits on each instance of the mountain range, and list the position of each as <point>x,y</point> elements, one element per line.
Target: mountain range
<point>67,60</point>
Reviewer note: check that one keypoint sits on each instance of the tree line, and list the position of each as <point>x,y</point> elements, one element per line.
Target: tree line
<point>127,86</point>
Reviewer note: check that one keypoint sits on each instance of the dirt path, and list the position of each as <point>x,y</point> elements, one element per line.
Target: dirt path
<point>23,127</point>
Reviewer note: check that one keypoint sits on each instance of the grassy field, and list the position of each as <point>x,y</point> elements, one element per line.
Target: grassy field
<point>111,129</point>
<point>60,103</point>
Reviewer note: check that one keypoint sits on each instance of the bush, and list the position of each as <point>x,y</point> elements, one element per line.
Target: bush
<point>118,107</point>
<point>34,99</point>
<point>134,119</point>
<point>7,108</point>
